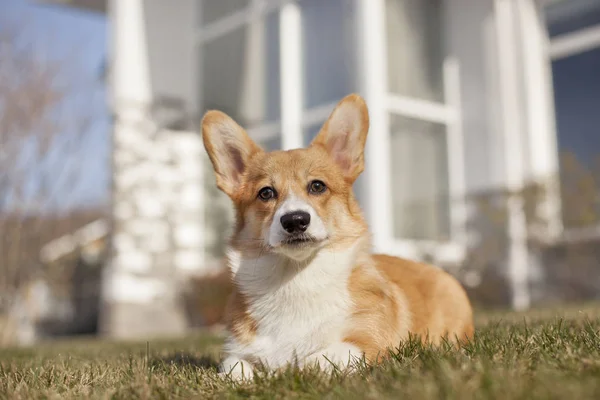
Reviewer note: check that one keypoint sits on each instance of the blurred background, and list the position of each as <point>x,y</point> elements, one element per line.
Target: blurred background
<point>483,154</point>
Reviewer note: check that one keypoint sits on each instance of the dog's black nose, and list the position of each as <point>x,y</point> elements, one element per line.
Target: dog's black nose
<point>295,222</point>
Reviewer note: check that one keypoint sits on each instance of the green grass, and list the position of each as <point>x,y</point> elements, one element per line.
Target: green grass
<point>545,354</point>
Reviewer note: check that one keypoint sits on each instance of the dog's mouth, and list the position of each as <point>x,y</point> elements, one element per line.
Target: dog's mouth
<point>299,247</point>
<point>300,241</point>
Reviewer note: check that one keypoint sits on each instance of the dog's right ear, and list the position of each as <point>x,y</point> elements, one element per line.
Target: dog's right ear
<point>229,148</point>
<point>344,135</point>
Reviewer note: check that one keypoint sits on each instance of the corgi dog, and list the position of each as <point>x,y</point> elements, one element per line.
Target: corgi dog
<point>307,288</point>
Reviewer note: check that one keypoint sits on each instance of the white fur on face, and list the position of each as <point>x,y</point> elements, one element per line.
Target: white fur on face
<point>276,234</point>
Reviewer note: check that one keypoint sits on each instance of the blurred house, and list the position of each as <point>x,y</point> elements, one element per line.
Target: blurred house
<point>76,262</point>
<point>471,103</point>
<point>60,294</point>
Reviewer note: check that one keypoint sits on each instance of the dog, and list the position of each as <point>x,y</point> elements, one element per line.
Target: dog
<point>307,288</point>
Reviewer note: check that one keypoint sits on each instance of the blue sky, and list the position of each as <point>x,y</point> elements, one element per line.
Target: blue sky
<point>61,33</point>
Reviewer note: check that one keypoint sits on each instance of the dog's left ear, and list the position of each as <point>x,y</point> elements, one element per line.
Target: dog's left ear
<point>229,148</point>
<point>344,135</point>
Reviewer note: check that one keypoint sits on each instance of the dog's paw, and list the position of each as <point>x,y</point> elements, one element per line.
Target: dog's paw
<point>337,357</point>
<point>236,369</point>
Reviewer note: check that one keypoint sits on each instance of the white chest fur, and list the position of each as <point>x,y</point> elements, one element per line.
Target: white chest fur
<point>299,309</point>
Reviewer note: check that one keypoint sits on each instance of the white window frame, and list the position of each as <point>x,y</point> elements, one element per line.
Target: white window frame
<point>256,11</point>
<point>560,47</point>
<point>572,43</point>
<point>372,73</point>
<point>293,118</point>
<point>382,103</point>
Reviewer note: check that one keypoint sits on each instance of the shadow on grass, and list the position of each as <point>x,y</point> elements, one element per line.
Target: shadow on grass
<point>185,360</point>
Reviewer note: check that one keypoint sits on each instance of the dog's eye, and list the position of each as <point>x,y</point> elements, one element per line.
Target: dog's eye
<point>266,193</point>
<point>316,187</point>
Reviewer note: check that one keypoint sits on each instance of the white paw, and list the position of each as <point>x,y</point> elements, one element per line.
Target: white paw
<point>339,356</point>
<point>236,369</point>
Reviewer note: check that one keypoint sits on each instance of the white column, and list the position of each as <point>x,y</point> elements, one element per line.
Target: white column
<point>157,187</point>
<point>129,75</point>
<point>512,132</point>
<point>253,95</point>
<point>372,53</point>
<point>290,45</point>
<point>456,157</point>
<point>540,111</point>
<point>130,91</point>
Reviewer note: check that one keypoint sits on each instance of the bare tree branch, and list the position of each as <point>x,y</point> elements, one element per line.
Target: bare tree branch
<point>41,135</point>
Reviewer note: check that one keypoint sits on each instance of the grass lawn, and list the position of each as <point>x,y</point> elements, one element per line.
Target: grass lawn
<point>541,354</point>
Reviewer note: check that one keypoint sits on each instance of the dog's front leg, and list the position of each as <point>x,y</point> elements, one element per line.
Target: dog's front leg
<point>339,356</point>
<point>236,368</point>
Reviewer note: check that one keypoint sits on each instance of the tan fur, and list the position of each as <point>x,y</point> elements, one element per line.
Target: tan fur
<point>238,320</point>
<point>378,307</point>
<point>391,297</point>
<point>434,303</point>
<point>438,304</point>
<point>290,172</point>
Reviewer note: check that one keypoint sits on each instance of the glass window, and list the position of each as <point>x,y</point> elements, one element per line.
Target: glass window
<point>310,132</point>
<point>415,48</point>
<point>568,16</point>
<point>329,50</point>
<point>419,176</point>
<point>577,101</point>
<point>213,10</point>
<point>240,73</point>
<point>271,144</point>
